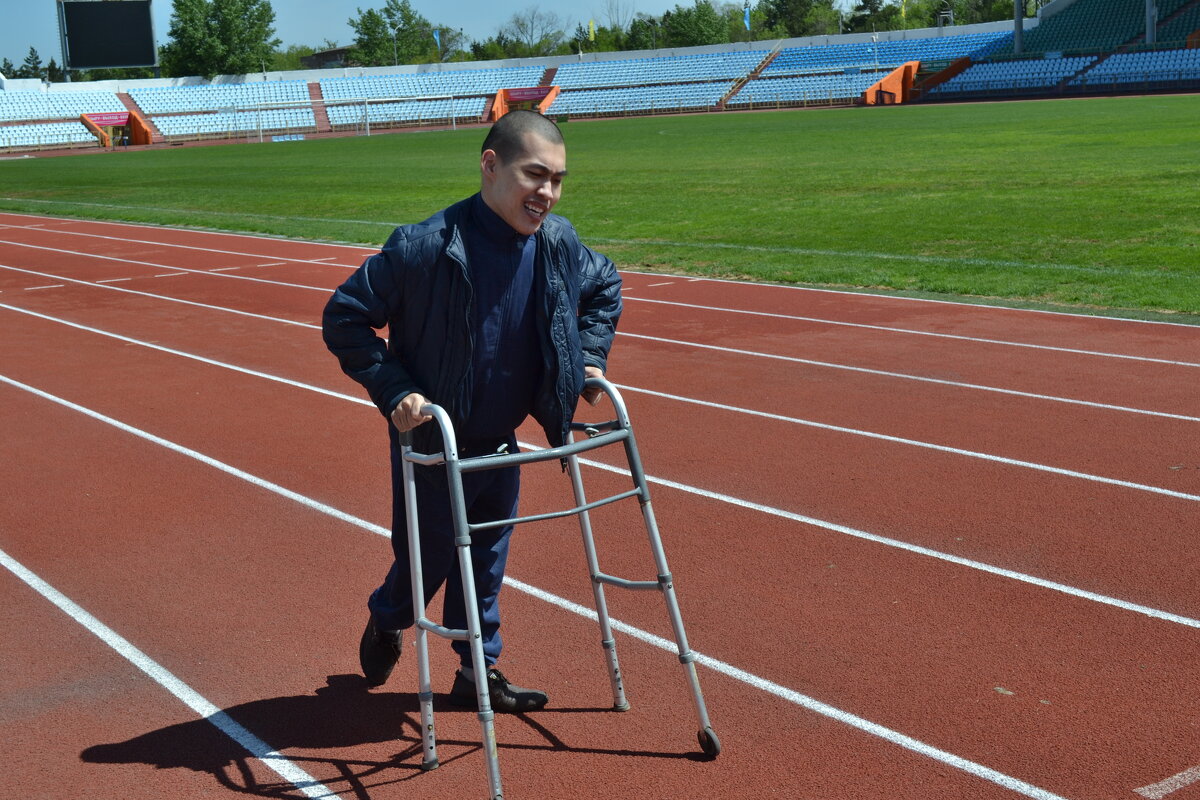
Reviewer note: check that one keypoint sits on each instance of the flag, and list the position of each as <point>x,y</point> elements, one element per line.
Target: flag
<point>746,18</point>
<point>591,30</point>
<point>437,37</point>
<point>902,4</point>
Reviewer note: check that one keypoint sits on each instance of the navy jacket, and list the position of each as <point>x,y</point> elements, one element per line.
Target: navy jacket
<point>419,286</point>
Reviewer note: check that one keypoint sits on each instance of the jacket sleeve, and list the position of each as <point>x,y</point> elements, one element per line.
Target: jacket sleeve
<point>599,306</point>
<point>363,304</point>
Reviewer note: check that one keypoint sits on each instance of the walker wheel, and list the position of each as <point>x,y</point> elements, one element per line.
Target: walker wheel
<point>709,742</point>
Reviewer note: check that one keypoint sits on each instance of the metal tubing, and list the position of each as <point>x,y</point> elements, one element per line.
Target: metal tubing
<point>424,680</point>
<point>620,702</point>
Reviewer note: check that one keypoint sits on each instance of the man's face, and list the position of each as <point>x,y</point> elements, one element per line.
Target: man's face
<point>523,189</point>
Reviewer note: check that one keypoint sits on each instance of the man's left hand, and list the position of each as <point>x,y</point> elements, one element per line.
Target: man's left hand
<point>592,396</point>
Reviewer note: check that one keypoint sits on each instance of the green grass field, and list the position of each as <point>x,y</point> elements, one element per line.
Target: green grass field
<point>1086,204</point>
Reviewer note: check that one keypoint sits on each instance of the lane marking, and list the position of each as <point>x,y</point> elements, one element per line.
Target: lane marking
<point>958,337</point>
<point>665,283</point>
<point>907,376</point>
<point>223,269</point>
<point>1157,791</point>
<point>980,566</point>
<point>50,286</point>
<point>1012,462</point>
<point>256,747</point>
<point>372,249</point>
<point>164,297</point>
<point>182,270</point>
<point>752,412</point>
<point>273,264</point>
<point>981,305</point>
<point>867,254</point>
<point>171,275</point>
<point>176,245</point>
<point>860,723</point>
<point>112,280</point>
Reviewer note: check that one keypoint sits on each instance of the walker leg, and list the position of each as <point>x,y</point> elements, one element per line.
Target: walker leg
<point>607,640</point>
<point>462,542</point>
<point>707,737</point>
<point>429,760</point>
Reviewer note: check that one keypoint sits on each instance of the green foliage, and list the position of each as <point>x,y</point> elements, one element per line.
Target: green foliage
<point>1055,203</point>
<point>289,58</point>
<point>219,37</point>
<point>397,34</point>
<point>32,67</point>
<point>690,27</point>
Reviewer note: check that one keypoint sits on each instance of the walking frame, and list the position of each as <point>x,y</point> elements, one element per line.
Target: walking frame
<point>598,435</point>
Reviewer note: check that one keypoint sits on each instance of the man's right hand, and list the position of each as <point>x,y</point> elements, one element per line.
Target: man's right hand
<point>407,415</point>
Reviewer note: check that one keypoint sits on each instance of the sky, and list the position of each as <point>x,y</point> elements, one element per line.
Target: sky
<point>33,23</point>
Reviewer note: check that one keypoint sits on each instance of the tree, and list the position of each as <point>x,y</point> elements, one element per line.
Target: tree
<point>54,73</point>
<point>32,67</point>
<point>219,37</point>
<point>698,25</point>
<point>289,58</point>
<point>644,33</point>
<point>397,34</point>
<point>7,69</point>
<point>538,33</point>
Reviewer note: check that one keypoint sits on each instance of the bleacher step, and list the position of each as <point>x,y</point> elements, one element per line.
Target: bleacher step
<point>320,115</point>
<point>156,136</point>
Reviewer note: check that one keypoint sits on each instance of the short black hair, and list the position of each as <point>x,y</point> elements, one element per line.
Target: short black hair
<point>508,133</point>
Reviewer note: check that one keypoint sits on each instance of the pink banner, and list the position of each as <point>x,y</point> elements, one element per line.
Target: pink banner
<point>105,120</point>
<point>525,95</point>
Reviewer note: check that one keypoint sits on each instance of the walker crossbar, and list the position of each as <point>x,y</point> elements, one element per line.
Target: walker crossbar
<point>599,435</point>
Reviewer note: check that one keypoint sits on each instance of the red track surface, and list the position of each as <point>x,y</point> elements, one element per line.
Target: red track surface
<point>918,566</point>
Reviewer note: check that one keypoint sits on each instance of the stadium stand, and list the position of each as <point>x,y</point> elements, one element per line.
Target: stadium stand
<point>662,98</point>
<point>1150,69</point>
<point>44,134</point>
<point>194,99</point>
<point>811,89</point>
<point>58,105</point>
<point>1012,77</point>
<point>362,115</point>
<point>799,60</point>
<point>460,83</point>
<point>1182,26</point>
<point>1091,26</point>
<point>705,67</point>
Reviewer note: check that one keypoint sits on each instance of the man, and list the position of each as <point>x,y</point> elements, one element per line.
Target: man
<point>495,311</point>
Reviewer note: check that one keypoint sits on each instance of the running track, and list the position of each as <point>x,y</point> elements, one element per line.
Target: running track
<point>927,550</point>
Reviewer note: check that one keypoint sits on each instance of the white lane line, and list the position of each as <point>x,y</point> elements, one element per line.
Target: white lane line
<point>181,270</point>
<point>273,264</point>
<point>866,254</point>
<point>165,297</point>
<point>980,566</point>
<point>664,283</point>
<point>906,376</point>
<point>913,332</point>
<point>981,306</point>
<point>223,269</point>
<point>796,698</point>
<point>170,275</point>
<point>1157,791</point>
<point>894,737</point>
<point>49,286</point>
<point>1012,462</point>
<point>256,747</point>
<point>154,242</point>
<point>113,280</point>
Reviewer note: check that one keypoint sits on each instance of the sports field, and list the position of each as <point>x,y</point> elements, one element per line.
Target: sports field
<point>1089,204</point>
<point>923,549</point>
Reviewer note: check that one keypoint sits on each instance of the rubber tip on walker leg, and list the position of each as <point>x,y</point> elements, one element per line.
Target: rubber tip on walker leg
<point>427,766</point>
<point>622,706</point>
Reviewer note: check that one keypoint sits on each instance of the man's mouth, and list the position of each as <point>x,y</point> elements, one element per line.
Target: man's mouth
<point>536,210</point>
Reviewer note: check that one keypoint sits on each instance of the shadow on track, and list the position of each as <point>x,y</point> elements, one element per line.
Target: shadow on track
<point>341,714</point>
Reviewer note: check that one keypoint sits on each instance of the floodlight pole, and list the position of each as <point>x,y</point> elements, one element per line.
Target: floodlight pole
<point>1151,22</point>
<point>1019,25</point>
<point>395,56</point>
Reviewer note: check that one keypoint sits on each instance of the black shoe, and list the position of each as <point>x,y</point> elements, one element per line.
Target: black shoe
<point>378,652</point>
<point>505,697</point>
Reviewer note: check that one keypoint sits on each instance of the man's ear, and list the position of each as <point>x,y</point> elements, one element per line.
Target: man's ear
<point>487,163</point>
